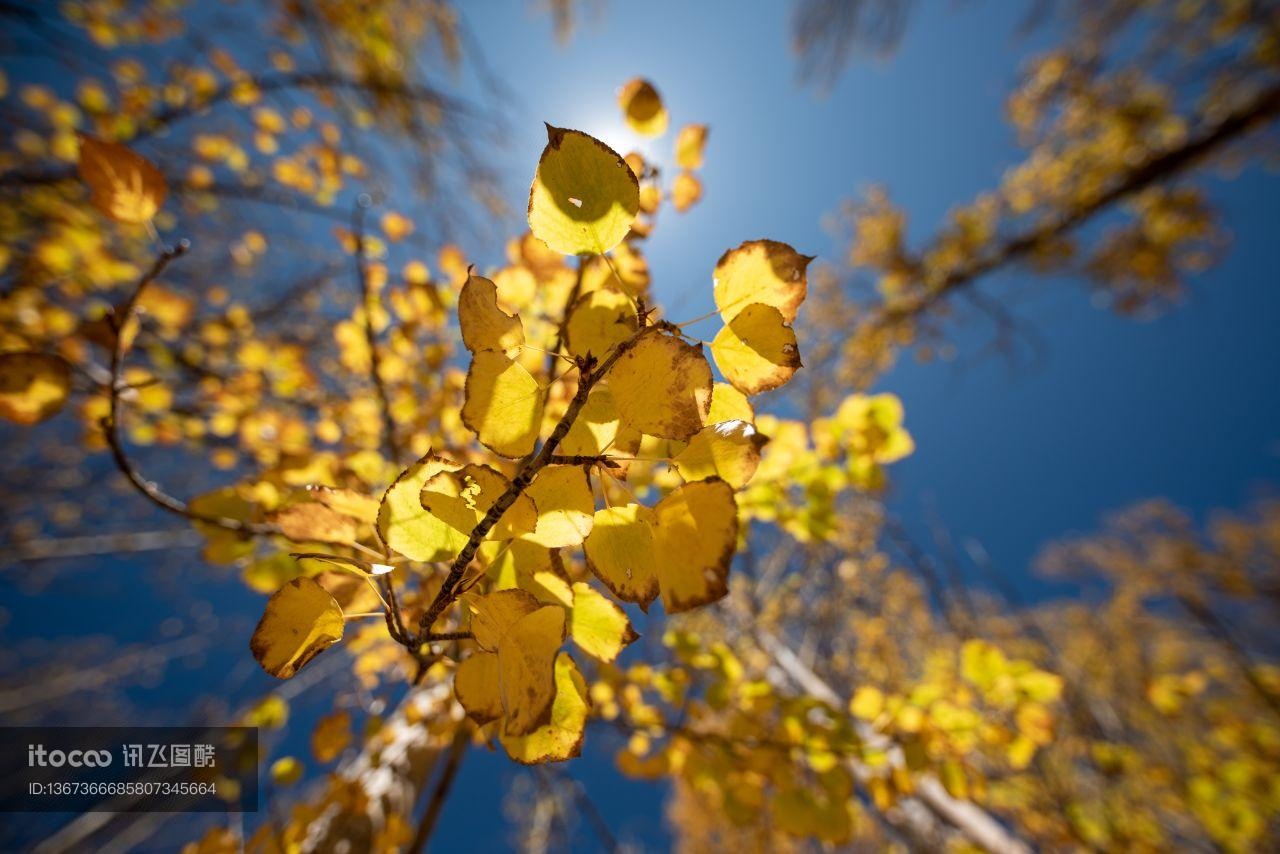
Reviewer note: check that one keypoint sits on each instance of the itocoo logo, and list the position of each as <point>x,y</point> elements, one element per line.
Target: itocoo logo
<point>38,756</point>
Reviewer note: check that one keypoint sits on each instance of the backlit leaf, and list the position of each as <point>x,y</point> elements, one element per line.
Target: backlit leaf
<point>33,386</point>
<point>503,404</point>
<point>584,197</point>
<point>689,144</point>
<point>405,525</point>
<point>494,614</point>
<point>686,191</point>
<point>462,498</point>
<point>331,736</point>
<point>561,737</point>
<point>485,326</point>
<point>729,450</point>
<point>761,271</point>
<point>123,185</point>
<point>598,626</point>
<point>662,386</point>
<point>314,522</point>
<point>348,502</point>
<point>642,106</point>
<point>476,686</point>
<point>301,620</point>
<point>526,668</point>
<point>729,404</point>
<point>697,535</point>
<point>600,321</point>
<point>622,552</point>
<point>565,506</point>
<point>757,350</point>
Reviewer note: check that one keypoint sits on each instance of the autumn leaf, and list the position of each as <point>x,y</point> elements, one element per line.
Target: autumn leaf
<point>561,737</point>
<point>642,106</point>
<point>331,736</point>
<point>690,142</point>
<point>462,498</point>
<point>681,548</point>
<point>123,185</point>
<point>599,321</point>
<point>301,620</point>
<point>757,350</point>
<point>584,197</point>
<point>485,326</point>
<point>503,405</point>
<point>686,191</point>
<point>314,522</point>
<point>761,271</point>
<point>405,526</point>
<point>564,504</point>
<point>729,450</point>
<point>33,386</point>
<point>662,386</point>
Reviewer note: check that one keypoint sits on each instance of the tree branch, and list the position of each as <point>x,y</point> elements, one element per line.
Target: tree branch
<point>589,375</point>
<point>111,423</point>
<point>389,444</point>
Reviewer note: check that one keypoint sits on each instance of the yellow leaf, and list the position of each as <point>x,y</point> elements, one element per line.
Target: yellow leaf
<point>313,522</point>
<point>662,386</point>
<point>462,498</point>
<point>584,197</point>
<point>396,226</point>
<point>596,428</point>
<point>598,626</point>
<point>600,321</point>
<point>867,703</point>
<point>331,736</point>
<point>621,552</point>
<point>756,351</point>
<point>301,621</point>
<point>729,450</point>
<point>681,548</point>
<point>123,185</point>
<point>526,671</point>
<point>485,326</point>
<point>561,737</point>
<point>565,506</point>
<point>689,144</point>
<point>729,404</point>
<point>686,191</point>
<point>348,502</point>
<point>405,525</point>
<point>761,271</point>
<point>503,404</point>
<point>493,615</point>
<point>476,686</point>
<point>286,771</point>
<point>33,386</point>
<point>697,536</point>
<point>642,106</point>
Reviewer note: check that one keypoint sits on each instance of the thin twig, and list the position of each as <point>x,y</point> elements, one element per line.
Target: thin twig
<point>390,446</point>
<point>111,423</point>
